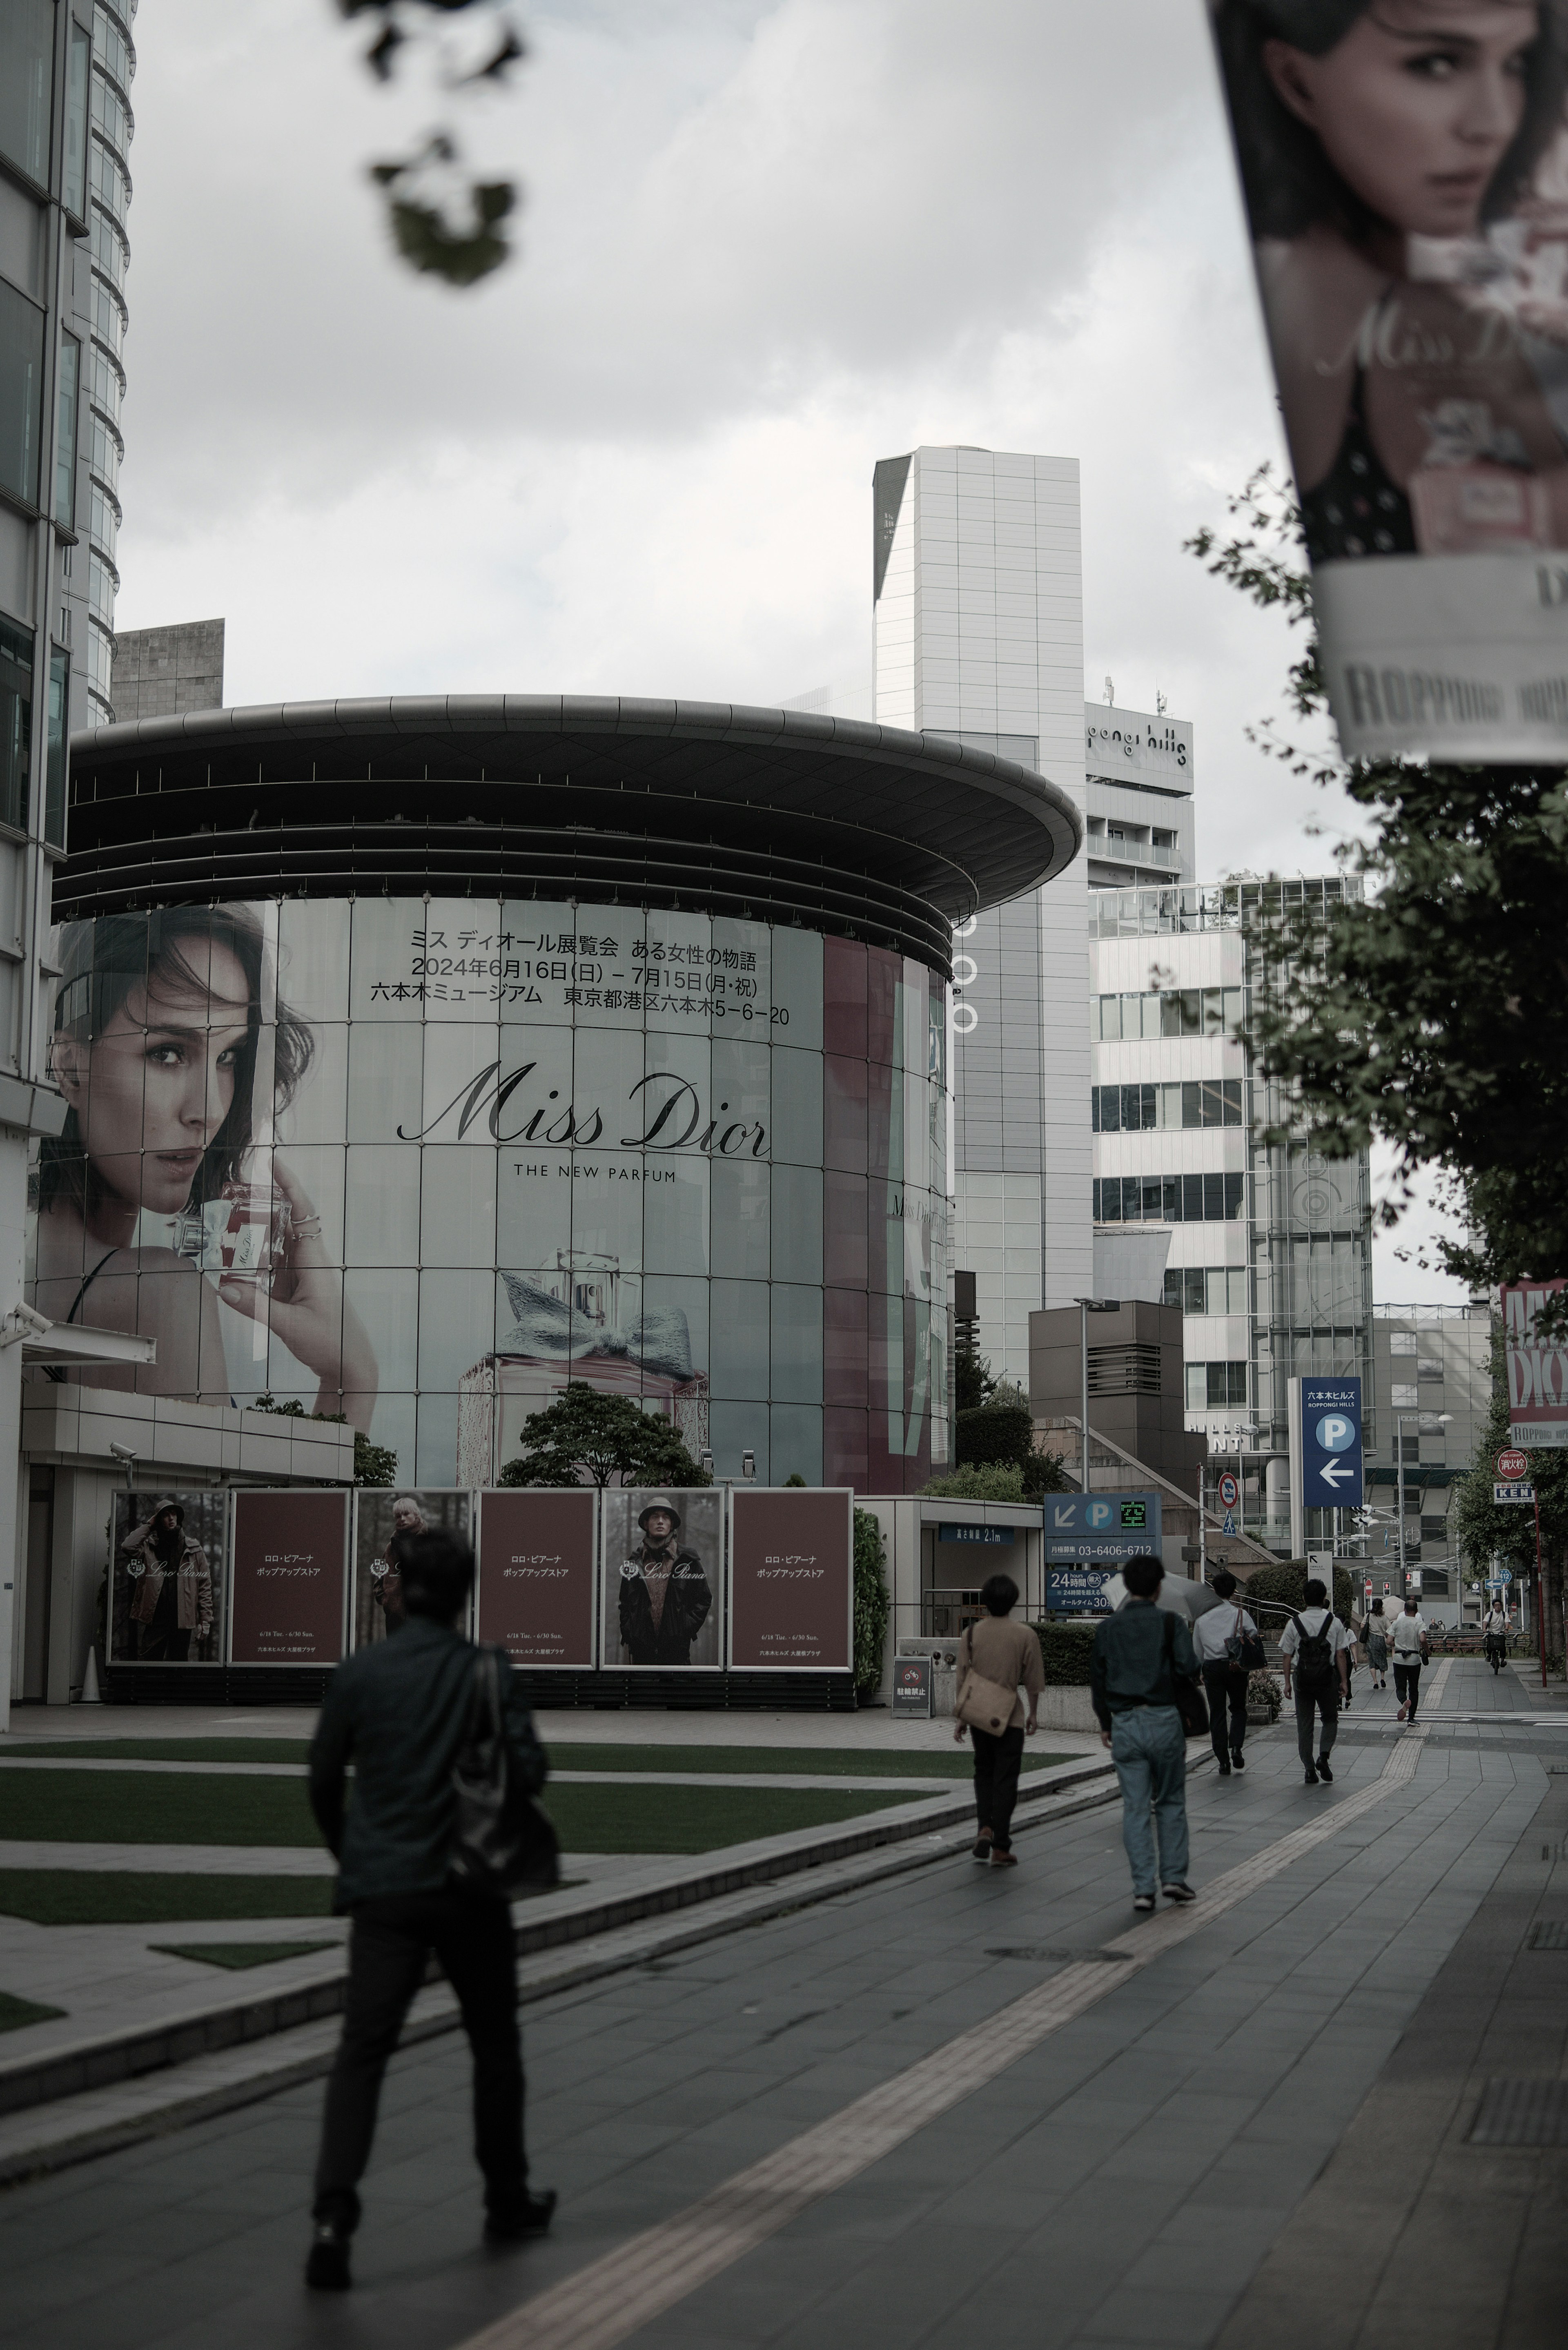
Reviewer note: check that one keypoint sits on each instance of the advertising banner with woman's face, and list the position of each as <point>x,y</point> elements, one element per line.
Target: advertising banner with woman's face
<point>663,1577</point>
<point>167,1572</point>
<point>791,1581</point>
<point>379,1518</point>
<point>1405,169</point>
<point>422,1162</point>
<point>538,1563</point>
<point>290,1576</point>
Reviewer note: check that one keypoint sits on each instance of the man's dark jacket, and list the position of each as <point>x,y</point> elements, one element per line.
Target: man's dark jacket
<point>399,1712</point>
<point>1133,1659</point>
<point>687,1599</point>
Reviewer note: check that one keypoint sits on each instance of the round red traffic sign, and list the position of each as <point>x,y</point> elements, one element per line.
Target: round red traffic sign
<point>1230,1491</point>
<point>1511,1466</point>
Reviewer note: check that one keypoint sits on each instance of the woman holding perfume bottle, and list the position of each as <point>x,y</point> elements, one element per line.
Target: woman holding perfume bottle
<point>158,1049</point>
<point>1412,272</point>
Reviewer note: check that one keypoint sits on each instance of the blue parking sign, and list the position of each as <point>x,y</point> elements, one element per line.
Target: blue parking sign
<point>1332,1475</point>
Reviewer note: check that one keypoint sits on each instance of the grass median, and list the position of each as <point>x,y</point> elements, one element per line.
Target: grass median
<point>948,1762</point>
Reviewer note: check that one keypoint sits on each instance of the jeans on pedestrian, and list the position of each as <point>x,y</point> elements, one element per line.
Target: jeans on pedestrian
<point>1149,1747</point>
<point>392,1938</point>
<point>997,1763</point>
<point>1226,1690</point>
<point>1312,1705</point>
<point>1407,1684</point>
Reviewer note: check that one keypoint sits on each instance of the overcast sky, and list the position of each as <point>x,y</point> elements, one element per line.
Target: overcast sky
<point>762,245</point>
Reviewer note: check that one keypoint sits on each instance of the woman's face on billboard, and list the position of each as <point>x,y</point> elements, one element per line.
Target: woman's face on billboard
<point>1417,106</point>
<point>153,1088</point>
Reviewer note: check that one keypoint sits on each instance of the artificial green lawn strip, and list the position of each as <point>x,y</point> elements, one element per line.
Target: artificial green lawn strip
<point>567,1755</point>
<point>238,1955</point>
<point>66,1897</point>
<point>14,2013</point>
<point>692,1819</point>
<point>153,1808</point>
<point>159,1750</point>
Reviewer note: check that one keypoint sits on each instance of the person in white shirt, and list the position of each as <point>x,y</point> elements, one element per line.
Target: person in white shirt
<point>1226,1684</point>
<point>1313,1649</point>
<point>1410,1644</point>
<point>1496,1630</point>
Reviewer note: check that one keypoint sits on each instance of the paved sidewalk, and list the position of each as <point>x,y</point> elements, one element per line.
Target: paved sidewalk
<point>1120,2182</point>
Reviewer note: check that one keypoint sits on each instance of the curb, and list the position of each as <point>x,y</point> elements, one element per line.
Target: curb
<point>117,2057</point>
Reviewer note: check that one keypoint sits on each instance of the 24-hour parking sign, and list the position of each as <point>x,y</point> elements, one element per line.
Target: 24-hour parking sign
<point>1331,1444</point>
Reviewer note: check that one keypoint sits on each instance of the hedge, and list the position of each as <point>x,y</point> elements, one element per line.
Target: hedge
<point>1067,1649</point>
<point>872,1600</point>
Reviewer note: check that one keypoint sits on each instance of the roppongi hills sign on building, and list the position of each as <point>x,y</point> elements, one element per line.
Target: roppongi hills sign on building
<point>423,1161</point>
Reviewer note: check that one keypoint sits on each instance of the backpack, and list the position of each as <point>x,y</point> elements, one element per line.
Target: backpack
<point>1314,1656</point>
<point>503,1842</point>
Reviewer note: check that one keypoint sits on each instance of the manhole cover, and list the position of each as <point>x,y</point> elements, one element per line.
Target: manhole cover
<point>1549,1934</point>
<point>1521,2113</point>
<point>1039,1951</point>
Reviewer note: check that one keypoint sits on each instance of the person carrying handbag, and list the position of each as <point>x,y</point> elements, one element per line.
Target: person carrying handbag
<point>421,1716</point>
<point>995,1660</point>
<point>1144,1686</point>
<point>1228,1650</point>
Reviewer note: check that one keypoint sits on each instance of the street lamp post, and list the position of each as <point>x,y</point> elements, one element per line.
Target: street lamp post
<point>1087,1306</point>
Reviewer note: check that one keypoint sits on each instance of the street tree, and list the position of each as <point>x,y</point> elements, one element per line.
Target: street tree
<point>586,1437</point>
<point>1432,1015</point>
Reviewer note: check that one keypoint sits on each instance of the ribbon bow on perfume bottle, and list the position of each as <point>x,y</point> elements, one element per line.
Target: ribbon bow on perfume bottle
<point>548,1330</point>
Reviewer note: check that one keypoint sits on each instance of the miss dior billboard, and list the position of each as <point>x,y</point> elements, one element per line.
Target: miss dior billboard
<point>422,1162</point>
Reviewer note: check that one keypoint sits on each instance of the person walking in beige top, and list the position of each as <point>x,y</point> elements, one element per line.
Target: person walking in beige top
<point>1010,1655</point>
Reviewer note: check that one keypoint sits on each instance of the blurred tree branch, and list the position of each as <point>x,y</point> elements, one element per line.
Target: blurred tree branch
<point>444,221</point>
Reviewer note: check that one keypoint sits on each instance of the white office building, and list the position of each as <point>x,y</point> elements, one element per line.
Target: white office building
<point>978,634</point>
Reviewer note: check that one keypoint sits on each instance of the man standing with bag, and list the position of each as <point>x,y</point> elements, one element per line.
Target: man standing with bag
<point>402,1712</point>
<point>1313,1649</point>
<point>996,1658</point>
<point>1225,1641</point>
<point>1143,1655</point>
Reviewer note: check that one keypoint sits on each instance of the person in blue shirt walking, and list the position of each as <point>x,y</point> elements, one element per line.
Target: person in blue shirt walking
<point>1137,1651</point>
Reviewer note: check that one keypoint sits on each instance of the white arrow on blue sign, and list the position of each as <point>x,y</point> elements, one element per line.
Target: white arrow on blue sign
<point>1331,1477</point>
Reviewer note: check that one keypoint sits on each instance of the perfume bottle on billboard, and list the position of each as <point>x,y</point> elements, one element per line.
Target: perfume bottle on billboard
<point>241,1234</point>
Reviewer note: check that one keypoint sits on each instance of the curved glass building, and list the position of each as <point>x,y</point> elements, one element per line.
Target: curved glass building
<point>113,126</point>
<point>423,1056</point>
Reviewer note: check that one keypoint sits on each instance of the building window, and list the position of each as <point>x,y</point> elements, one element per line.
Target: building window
<point>1168,1198</point>
<point>78,74</point>
<point>1212,1289</point>
<point>1402,1342</point>
<point>21,393</point>
<point>1216,1387</point>
<point>66,434</point>
<point>60,736</point>
<point>28,84</point>
<point>1135,1109</point>
<point>1403,1395</point>
<point>1181,1011</point>
<point>1427,1369</point>
<point>15,723</point>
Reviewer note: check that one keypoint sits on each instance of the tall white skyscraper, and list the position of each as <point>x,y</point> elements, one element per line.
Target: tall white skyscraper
<point>977,633</point>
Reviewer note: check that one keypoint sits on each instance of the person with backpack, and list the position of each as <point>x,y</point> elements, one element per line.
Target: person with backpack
<point>1312,1650</point>
<point>996,1658</point>
<point>1412,1646</point>
<point>1140,1654</point>
<point>402,1712</point>
<point>1227,1647</point>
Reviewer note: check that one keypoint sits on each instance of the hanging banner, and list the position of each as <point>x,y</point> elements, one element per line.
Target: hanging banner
<point>1404,175</point>
<point>792,1580</point>
<point>1537,1370</point>
<point>536,1585</point>
<point>290,1579</point>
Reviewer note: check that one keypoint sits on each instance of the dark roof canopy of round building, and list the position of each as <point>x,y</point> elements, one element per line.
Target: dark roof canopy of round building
<point>778,814</point>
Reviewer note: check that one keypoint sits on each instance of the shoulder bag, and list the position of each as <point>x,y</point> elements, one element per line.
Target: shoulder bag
<point>1245,1650</point>
<point>1189,1701</point>
<point>982,1704</point>
<point>502,1842</point>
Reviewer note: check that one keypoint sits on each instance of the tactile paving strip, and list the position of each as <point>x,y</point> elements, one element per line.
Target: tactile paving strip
<point>1521,2113</point>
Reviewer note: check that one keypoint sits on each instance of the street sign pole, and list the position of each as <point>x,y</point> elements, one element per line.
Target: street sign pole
<point>1539,1599</point>
<point>1298,1514</point>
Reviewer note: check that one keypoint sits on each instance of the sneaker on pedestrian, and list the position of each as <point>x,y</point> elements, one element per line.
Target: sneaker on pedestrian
<point>1311,1777</point>
<point>1004,1860</point>
<point>1179,1891</point>
<point>532,2217</point>
<point>326,2268</point>
<point>1404,1710</point>
<point>981,1845</point>
<point>1238,1760</point>
<point>1323,1770</point>
<point>1144,1902</point>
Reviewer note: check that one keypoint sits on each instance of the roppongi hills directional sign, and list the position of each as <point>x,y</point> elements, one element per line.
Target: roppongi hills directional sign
<point>1326,1446</point>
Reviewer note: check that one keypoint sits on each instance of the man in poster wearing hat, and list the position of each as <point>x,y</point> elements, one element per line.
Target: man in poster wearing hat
<point>664,1594</point>
<point>172,1583</point>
